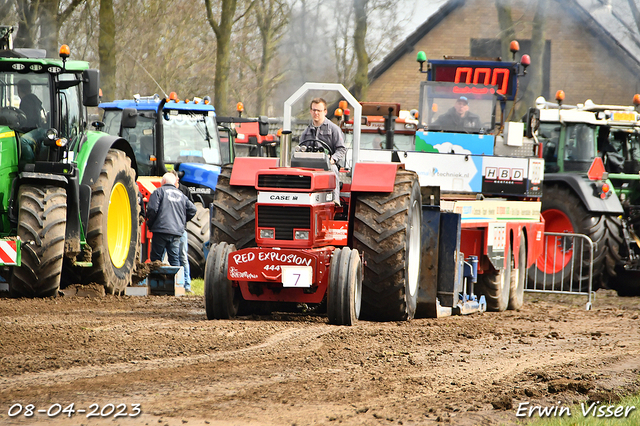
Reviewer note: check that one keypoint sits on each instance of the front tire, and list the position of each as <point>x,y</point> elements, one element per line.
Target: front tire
<point>114,231</point>
<point>345,287</point>
<point>518,277</point>
<point>221,298</point>
<point>496,286</point>
<point>387,234</point>
<point>42,219</point>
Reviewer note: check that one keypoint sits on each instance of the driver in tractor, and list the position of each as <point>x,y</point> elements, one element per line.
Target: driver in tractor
<point>459,118</point>
<point>325,134</point>
<point>29,104</point>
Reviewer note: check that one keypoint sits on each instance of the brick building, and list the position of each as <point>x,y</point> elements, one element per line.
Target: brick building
<point>592,49</point>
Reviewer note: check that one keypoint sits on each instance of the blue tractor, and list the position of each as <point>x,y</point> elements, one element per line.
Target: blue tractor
<point>188,137</point>
<point>169,134</point>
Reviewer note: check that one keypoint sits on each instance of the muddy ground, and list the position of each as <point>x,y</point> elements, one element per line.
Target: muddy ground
<point>295,369</point>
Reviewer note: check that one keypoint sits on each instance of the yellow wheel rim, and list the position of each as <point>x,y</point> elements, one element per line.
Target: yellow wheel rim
<point>119,225</point>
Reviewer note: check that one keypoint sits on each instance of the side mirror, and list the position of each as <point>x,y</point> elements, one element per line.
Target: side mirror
<point>129,118</point>
<point>91,88</point>
<point>263,125</point>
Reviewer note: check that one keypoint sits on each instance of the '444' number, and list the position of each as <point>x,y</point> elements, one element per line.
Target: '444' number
<point>272,267</point>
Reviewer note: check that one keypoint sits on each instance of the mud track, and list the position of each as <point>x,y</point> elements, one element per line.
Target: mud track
<point>286,369</point>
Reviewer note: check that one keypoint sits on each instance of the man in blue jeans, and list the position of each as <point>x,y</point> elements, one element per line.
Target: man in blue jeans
<point>184,240</point>
<point>168,211</point>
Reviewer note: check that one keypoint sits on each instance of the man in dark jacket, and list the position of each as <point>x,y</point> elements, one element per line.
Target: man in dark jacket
<point>459,118</point>
<point>168,212</point>
<point>323,129</point>
<point>30,104</point>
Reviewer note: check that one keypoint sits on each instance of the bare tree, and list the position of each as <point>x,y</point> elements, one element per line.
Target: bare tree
<point>222,30</point>
<point>538,40</point>
<point>635,13</point>
<point>107,49</point>
<point>40,21</point>
<point>507,33</point>
<point>361,82</point>
<point>272,16</point>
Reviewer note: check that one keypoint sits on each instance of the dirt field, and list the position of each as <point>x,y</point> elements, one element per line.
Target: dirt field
<point>295,369</point>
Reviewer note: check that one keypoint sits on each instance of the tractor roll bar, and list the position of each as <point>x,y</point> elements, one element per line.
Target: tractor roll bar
<point>357,115</point>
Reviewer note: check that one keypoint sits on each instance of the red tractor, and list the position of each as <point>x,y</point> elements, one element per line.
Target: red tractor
<point>277,236</point>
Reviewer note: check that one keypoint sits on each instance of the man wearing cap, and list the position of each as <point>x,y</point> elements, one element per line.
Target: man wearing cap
<point>458,118</point>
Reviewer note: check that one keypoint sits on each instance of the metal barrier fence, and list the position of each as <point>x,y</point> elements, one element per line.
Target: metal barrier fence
<point>566,259</point>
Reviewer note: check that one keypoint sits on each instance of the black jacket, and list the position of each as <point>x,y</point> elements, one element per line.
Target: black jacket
<point>452,122</point>
<point>169,210</point>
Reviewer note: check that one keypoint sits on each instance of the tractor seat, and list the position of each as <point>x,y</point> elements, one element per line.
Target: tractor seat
<point>311,160</point>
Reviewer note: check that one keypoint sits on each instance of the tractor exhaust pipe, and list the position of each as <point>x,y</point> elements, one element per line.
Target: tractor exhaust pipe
<point>285,149</point>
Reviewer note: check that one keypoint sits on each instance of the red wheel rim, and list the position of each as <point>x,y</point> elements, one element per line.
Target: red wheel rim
<point>557,253</point>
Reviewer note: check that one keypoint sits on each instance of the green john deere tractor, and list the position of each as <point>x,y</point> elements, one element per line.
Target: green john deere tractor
<point>68,196</point>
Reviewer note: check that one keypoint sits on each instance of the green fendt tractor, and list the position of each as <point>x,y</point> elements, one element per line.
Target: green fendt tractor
<point>68,196</point>
<point>606,209</point>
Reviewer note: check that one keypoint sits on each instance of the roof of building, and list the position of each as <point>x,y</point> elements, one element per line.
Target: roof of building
<point>612,19</point>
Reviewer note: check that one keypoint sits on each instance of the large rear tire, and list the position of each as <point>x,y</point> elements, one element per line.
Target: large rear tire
<point>345,287</point>
<point>518,276</point>
<point>198,235</point>
<point>114,231</point>
<point>387,234</point>
<point>496,286</point>
<point>42,219</point>
<point>221,299</point>
<point>234,217</point>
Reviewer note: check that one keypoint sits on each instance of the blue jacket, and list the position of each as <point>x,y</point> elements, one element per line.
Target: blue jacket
<point>169,210</point>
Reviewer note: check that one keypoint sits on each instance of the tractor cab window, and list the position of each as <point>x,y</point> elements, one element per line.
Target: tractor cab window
<point>191,137</point>
<point>71,112</point>
<point>626,144</point>
<point>111,120</point>
<point>25,101</point>
<point>580,147</point>
<point>142,140</point>
<point>401,142</point>
<point>549,137</point>
<point>459,108</point>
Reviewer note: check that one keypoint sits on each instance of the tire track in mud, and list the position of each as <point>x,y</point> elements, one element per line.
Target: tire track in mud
<point>285,338</point>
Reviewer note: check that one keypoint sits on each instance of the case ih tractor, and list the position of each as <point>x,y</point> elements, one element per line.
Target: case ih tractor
<point>69,199</point>
<point>391,250</point>
<point>169,134</point>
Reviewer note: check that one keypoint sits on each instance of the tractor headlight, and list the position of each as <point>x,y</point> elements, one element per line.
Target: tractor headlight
<point>267,233</point>
<point>302,235</point>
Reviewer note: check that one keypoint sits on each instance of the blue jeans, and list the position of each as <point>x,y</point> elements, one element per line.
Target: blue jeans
<point>161,242</point>
<point>184,260</point>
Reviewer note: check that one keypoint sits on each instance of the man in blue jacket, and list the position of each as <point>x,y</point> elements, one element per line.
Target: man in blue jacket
<point>168,212</point>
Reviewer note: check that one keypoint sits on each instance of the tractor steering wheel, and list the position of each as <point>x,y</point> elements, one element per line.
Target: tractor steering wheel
<point>314,142</point>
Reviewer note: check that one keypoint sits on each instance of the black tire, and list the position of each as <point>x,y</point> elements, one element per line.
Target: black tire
<point>221,299</point>
<point>114,200</point>
<point>42,219</point>
<point>518,276</point>
<point>496,285</point>
<point>386,232</point>
<point>602,228</point>
<point>197,235</point>
<point>345,287</point>
<point>234,215</point>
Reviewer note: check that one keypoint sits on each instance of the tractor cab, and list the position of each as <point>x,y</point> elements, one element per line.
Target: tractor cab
<point>167,132</point>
